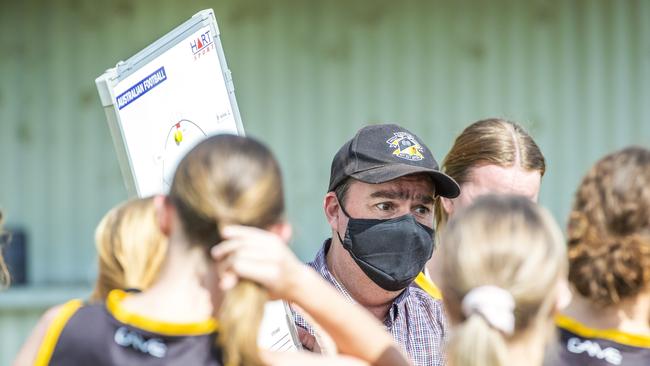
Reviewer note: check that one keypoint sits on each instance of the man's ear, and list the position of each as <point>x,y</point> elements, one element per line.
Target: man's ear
<point>164,212</point>
<point>447,205</point>
<point>331,208</point>
<point>283,230</point>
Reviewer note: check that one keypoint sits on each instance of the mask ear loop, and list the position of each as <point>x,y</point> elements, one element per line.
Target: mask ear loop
<point>341,206</point>
<point>346,215</point>
<point>340,240</point>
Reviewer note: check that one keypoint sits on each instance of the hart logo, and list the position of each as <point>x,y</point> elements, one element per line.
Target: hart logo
<point>406,146</point>
<point>202,44</point>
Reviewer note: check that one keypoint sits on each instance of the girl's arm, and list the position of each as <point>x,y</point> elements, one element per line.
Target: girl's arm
<point>28,352</point>
<point>261,256</point>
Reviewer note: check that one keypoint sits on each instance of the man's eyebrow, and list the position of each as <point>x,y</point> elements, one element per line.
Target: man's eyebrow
<point>401,195</point>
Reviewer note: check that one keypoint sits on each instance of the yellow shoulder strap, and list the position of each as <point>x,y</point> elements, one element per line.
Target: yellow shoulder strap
<point>428,286</point>
<point>614,335</point>
<point>54,331</point>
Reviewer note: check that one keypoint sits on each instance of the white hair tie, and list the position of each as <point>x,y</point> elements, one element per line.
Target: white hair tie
<point>495,304</point>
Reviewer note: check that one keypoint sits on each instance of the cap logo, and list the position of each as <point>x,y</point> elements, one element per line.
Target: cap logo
<point>406,146</point>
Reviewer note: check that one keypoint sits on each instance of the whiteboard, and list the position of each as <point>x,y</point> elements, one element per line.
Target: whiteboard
<point>165,99</point>
<point>162,102</point>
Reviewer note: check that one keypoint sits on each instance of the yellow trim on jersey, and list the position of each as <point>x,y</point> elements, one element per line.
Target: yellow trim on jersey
<point>428,286</point>
<point>629,339</point>
<point>114,306</point>
<point>54,331</point>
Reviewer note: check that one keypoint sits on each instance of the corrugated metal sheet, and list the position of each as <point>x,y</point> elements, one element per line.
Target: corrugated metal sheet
<point>308,74</point>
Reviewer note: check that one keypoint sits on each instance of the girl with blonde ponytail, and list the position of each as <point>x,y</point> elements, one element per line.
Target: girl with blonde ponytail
<point>212,189</point>
<point>503,265</point>
<point>130,248</point>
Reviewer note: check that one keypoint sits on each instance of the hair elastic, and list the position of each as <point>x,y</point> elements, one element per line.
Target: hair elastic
<point>494,304</point>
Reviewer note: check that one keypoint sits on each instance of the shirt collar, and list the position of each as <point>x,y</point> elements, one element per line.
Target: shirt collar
<point>320,265</point>
<point>399,304</point>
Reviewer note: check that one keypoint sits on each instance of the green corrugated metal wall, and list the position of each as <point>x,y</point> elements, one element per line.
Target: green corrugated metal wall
<point>308,74</point>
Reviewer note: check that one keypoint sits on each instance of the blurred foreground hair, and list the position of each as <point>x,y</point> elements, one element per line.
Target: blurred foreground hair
<point>511,243</point>
<point>130,246</point>
<point>609,229</point>
<point>225,180</point>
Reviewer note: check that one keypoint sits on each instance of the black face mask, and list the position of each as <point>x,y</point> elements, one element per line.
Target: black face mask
<point>390,252</point>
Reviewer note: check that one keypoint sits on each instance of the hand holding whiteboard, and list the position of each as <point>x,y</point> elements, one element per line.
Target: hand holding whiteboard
<point>163,101</point>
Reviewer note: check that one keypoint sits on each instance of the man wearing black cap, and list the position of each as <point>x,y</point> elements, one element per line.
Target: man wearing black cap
<point>379,205</point>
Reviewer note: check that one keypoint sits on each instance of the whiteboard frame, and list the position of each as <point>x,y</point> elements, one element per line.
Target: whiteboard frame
<point>110,78</point>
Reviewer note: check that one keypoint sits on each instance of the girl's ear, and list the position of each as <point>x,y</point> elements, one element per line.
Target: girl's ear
<point>164,212</point>
<point>564,295</point>
<point>447,205</point>
<point>283,230</point>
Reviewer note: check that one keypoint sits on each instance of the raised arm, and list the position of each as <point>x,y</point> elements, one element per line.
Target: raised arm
<point>261,256</point>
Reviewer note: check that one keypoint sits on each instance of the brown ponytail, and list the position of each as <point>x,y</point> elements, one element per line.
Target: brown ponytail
<point>225,180</point>
<point>609,229</point>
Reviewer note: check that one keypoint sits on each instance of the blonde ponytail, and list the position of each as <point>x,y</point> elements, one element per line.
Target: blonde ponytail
<point>240,316</point>
<point>224,180</point>
<point>130,248</point>
<point>474,342</point>
<point>506,244</point>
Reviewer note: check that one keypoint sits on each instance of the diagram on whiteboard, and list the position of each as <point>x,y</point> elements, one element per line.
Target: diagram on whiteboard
<point>181,138</point>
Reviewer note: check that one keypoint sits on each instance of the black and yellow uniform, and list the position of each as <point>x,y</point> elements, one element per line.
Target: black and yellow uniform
<point>578,344</point>
<point>109,335</point>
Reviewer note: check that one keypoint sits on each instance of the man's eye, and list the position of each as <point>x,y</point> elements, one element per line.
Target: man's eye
<point>384,206</point>
<point>422,210</point>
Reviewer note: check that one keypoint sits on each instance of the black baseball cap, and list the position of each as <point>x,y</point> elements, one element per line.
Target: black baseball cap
<point>381,153</point>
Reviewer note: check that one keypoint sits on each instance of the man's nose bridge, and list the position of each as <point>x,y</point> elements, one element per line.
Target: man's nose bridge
<point>405,207</point>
